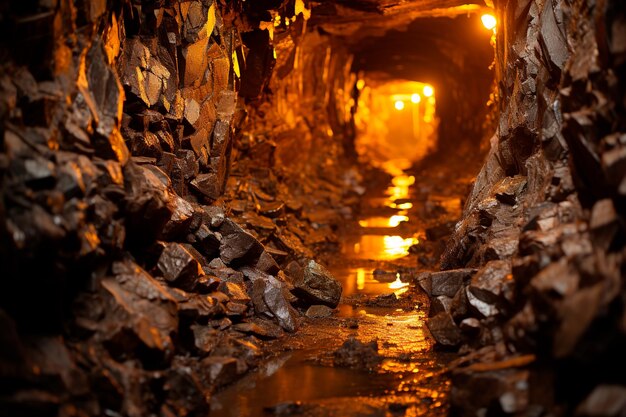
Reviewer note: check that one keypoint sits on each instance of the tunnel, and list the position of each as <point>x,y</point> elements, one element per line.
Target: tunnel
<point>312,208</point>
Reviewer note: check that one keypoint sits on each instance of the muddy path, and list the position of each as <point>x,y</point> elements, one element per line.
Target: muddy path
<point>373,356</point>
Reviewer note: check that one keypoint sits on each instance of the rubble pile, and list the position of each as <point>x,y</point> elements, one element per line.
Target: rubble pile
<point>532,287</point>
<point>138,275</point>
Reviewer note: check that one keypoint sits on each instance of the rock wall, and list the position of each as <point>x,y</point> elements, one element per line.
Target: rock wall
<point>128,285</point>
<point>543,310</point>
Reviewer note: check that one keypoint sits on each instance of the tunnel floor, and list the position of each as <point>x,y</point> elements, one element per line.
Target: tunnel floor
<point>373,355</point>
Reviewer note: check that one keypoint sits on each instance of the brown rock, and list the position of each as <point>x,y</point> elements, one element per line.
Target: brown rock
<point>179,267</point>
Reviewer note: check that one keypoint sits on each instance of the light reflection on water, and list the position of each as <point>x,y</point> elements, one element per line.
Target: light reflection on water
<point>391,221</point>
<point>382,247</point>
<point>400,188</point>
<point>362,280</point>
<point>400,334</point>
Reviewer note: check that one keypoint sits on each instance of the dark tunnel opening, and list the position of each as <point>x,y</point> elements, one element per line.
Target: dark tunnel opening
<point>297,207</point>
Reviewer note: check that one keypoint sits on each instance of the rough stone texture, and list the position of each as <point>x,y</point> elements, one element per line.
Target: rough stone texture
<point>544,220</point>
<point>316,285</point>
<point>118,214</point>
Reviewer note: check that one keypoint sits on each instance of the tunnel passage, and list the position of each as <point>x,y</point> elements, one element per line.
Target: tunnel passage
<point>178,176</point>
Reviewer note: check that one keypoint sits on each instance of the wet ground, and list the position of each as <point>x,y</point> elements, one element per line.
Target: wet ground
<point>375,267</point>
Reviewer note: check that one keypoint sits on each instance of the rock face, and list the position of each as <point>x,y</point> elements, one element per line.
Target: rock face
<point>316,285</point>
<point>141,276</point>
<point>544,223</point>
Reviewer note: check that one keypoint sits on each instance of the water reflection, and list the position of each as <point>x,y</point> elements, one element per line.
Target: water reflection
<point>400,188</point>
<point>382,247</point>
<point>397,284</point>
<point>361,280</point>
<point>400,206</point>
<point>295,380</point>
<point>406,367</point>
<point>392,221</point>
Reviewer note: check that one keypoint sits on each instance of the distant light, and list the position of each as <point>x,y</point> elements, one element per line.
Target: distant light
<point>360,84</point>
<point>416,98</point>
<point>428,91</point>
<point>397,284</point>
<point>395,220</point>
<point>399,105</point>
<point>489,21</point>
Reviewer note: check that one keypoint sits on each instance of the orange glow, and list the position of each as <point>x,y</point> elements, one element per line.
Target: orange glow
<point>390,121</point>
<point>428,91</point>
<point>360,279</point>
<point>403,181</point>
<point>401,206</point>
<point>392,221</point>
<point>400,189</point>
<point>360,84</point>
<point>489,21</point>
<point>396,246</point>
<point>397,284</point>
<point>396,220</point>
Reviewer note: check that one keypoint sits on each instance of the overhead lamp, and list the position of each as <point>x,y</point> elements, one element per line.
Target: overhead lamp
<point>489,21</point>
<point>399,105</point>
<point>416,98</point>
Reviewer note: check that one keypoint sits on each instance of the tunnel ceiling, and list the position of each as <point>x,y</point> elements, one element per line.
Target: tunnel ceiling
<point>357,19</point>
<point>426,49</point>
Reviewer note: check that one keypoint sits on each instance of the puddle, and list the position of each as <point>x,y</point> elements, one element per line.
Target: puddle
<point>409,373</point>
<point>382,247</point>
<point>290,379</point>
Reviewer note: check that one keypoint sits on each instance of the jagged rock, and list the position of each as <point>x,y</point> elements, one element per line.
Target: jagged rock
<point>509,189</point>
<point>274,297</point>
<point>179,267</point>
<point>184,389</point>
<point>604,401</point>
<point>445,282</point>
<point>470,326</point>
<point>237,245</point>
<point>269,297</point>
<point>356,354</point>
<point>444,330</point>
<point>143,305</point>
<point>604,223</point>
<point>181,218</point>
<point>314,284</point>
<point>235,291</point>
<point>208,185</point>
<point>260,328</point>
<point>558,278</point>
<point>318,312</point>
<point>207,242</point>
<point>502,247</point>
<point>487,286</point>
<point>505,390</point>
<point>440,304</point>
<point>215,215</point>
<point>205,338</point>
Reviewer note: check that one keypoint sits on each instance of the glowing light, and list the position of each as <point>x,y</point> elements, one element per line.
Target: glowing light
<point>401,206</point>
<point>396,246</point>
<point>489,21</point>
<point>416,98</point>
<point>360,279</point>
<point>428,91</point>
<point>399,105</point>
<point>397,284</point>
<point>360,84</point>
<point>396,220</point>
<point>403,180</point>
